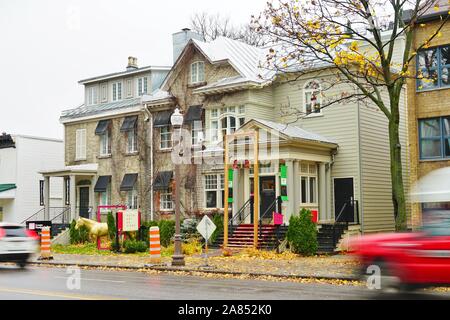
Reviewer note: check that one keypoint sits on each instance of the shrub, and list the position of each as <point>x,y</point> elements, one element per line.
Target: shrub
<point>167,231</point>
<point>302,233</point>
<point>133,246</point>
<point>111,226</point>
<point>78,236</point>
<point>218,221</point>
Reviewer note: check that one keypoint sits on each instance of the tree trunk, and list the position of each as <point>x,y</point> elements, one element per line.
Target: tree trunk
<point>398,192</point>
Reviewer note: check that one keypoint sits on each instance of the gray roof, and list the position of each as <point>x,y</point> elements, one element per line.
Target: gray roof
<point>84,111</point>
<point>294,131</point>
<point>122,73</point>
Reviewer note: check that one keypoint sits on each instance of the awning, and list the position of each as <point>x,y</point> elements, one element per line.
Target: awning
<point>7,186</point>
<point>162,119</point>
<point>102,184</point>
<point>102,127</point>
<point>128,182</point>
<point>194,113</point>
<point>162,180</point>
<point>129,123</point>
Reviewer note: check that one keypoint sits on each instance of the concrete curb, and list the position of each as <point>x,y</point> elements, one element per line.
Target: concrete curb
<point>191,270</point>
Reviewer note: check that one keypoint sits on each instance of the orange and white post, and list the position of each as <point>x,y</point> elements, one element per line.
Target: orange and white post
<point>45,244</point>
<point>155,245</point>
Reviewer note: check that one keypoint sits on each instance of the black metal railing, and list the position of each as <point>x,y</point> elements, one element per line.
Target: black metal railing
<point>340,223</point>
<point>242,214</point>
<point>63,217</point>
<point>53,212</point>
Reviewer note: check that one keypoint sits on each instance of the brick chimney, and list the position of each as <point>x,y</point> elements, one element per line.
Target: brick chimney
<point>132,63</point>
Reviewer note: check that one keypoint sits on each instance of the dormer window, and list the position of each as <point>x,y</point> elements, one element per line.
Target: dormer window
<point>312,98</point>
<point>142,86</point>
<point>117,91</point>
<point>197,72</point>
<point>92,96</point>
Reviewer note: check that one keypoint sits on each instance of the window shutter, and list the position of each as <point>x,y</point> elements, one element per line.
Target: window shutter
<point>77,145</point>
<point>83,144</point>
<point>80,152</point>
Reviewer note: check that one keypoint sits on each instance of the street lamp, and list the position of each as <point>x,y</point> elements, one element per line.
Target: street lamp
<point>178,258</point>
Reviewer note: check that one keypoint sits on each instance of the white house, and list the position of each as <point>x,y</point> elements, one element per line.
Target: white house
<point>21,160</point>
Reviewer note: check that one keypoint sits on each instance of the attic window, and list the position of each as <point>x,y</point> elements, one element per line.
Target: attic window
<point>197,72</point>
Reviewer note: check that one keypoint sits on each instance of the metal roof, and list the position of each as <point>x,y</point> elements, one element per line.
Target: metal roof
<point>123,73</point>
<point>83,110</point>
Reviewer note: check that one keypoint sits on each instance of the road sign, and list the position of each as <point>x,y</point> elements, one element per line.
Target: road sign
<point>206,227</point>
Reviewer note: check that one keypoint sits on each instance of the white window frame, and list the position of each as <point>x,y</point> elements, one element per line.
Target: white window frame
<point>105,144</point>
<point>132,199</point>
<point>104,92</point>
<point>196,77</point>
<point>92,96</point>
<point>218,187</point>
<point>217,116</point>
<point>166,200</point>
<point>142,86</point>
<point>310,174</point>
<point>167,134</point>
<point>116,94</point>
<point>132,141</point>
<point>311,91</point>
<point>80,145</point>
<point>129,88</point>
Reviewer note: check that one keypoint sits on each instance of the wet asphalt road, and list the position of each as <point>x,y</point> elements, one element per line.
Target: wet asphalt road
<point>51,283</point>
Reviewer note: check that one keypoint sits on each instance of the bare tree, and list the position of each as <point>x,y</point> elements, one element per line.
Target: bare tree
<point>212,26</point>
<point>350,38</point>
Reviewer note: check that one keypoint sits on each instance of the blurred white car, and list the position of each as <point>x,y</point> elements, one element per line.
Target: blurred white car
<point>17,243</point>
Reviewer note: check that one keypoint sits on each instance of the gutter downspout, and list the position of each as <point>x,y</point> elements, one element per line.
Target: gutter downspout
<point>150,120</point>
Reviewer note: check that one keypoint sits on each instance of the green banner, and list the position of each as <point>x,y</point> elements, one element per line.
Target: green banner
<point>230,185</point>
<point>283,183</point>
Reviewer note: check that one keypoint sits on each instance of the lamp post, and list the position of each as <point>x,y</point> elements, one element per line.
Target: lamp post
<point>178,258</point>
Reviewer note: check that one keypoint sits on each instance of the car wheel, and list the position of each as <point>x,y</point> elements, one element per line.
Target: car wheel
<point>22,264</point>
<point>390,283</point>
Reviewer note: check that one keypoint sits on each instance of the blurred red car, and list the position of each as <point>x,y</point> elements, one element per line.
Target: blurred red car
<point>409,260</point>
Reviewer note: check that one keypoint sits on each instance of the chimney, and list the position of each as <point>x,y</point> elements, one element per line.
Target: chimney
<point>132,63</point>
<point>180,40</point>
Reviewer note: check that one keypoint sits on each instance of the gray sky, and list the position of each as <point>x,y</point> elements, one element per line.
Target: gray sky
<point>46,46</point>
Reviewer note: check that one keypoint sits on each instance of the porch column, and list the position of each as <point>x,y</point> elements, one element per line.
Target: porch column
<point>64,195</point>
<point>246,188</point>
<point>236,191</point>
<point>290,190</point>
<point>328,196</point>
<point>46,198</point>
<point>73,204</point>
<point>323,209</point>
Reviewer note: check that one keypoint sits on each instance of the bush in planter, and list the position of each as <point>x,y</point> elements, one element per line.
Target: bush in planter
<point>302,234</point>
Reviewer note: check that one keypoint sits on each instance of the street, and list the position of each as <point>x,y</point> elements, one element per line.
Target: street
<point>51,283</point>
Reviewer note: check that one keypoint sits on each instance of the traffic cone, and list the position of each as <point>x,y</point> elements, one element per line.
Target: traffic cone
<point>46,253</point>
<point>154,245</point>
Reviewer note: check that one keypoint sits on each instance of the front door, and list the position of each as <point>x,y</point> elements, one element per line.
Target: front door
<point>84,202</point>
<point>267,194</point>
<point>344,200</point>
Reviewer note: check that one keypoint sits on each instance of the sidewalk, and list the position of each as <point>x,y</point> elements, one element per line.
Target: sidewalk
<point>327,267</point>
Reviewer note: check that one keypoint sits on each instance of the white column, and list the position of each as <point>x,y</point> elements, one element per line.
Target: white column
<point>323,209</point>
<point>290,208</point>
<point>236,190</point>
<point>46,198</point>
<point>296,178</point>
<point>64,199</point>
<point>73,204</point>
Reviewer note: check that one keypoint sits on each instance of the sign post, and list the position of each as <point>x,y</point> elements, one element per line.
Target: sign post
<point>206,228</point>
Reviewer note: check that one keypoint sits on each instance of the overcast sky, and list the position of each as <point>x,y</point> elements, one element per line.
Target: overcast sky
<point>46,46</point>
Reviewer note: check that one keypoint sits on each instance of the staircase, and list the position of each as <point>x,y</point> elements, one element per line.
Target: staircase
<point>59,218</point>
<point>242,237</point>
<point>329,236</point>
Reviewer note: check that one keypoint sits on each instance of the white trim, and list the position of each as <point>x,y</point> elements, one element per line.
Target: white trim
<point>133,109</point>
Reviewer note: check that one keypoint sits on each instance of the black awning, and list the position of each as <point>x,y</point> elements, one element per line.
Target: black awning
<point>162,180</point>
<point>102,184</point>
<point>102,127</point>
<point>194,113</point>
<point>128,182</point>
<point>162,119</point>
<point>129,124</point>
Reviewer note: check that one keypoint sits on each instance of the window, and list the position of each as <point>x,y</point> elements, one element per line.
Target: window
<point>117,91</point>
<point>214,191</point>
<point>132,141</point>
<point>229,120</point>
<point>142,86</point>
<point>80,142</point>
<point>195,132</point>
<point>434,138</point>
<point>105,197</point>
<point>312,98</point>
<point>308,183</point>
<point>105,143</point>
<point>165,199</point>
<point>197,72</point>
<point>92,96</point>
<point>132,199</point>
<point>104,92</point>
<point>129,88</point>
<point>433,68</point>
<point>166,138</point>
